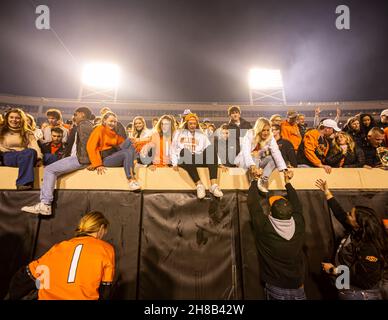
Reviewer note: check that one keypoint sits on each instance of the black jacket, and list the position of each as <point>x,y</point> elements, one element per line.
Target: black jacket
<point>371,157</point>
<point>288,152</point>
<point>355,159</point>
<point>83,131</point>
<point>282,262</point>
<point>362,258</point>
<point>238,132</point>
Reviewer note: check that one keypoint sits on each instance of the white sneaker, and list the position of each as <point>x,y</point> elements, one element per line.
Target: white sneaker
<point>262,185</point>
<point>201,192</point>
<point>215,190</point>
<point>39,208</point>
<point>134,185</point>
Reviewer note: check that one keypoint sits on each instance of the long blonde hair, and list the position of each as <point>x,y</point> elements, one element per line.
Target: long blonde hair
<point>91,223</point>
<point>258,128</point>
<point>349,141</point>
<point>134,131</point>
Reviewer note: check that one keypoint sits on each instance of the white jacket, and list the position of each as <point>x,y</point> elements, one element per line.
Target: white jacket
<point>244,158</point>
<point>196,143</point>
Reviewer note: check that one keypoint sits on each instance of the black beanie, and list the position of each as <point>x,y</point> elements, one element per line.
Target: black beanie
<point>281,209</point>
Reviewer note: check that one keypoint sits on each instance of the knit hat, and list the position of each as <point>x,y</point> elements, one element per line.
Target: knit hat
<point>280,208</point>
<point>191,116</point>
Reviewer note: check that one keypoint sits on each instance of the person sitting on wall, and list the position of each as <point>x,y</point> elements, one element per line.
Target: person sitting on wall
<point>141,135</point>
<point>191,150</point>
<point>315,145</point>
<point>19,148</point>
<point>120,129</point>
<point>363,250</point>
<point>285,146</point>
<point>225,150</point>
<point>54,150</point>
<point>279,239</point>
<point>260,151</point>
<point>76,158</point>
<point>106,148</point>
<point>157,153</point>
<point>81,268</point>
<point>344,153</point>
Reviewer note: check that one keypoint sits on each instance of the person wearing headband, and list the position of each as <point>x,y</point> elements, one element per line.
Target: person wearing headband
<point>192,149</point>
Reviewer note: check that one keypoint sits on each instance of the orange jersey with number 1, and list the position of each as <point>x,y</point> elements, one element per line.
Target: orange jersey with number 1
<point>74,269</point>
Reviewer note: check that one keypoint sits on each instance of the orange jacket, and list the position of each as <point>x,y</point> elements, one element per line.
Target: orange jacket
<point>312,147</point>
<point>291,133</point>
<point>102,138</point>
<point>386,136</point>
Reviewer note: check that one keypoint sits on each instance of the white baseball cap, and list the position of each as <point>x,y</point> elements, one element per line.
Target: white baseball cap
<point>384,113</point>
<point>331,124</point>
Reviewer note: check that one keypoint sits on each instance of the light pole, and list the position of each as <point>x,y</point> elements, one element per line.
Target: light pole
<point>99,80</point>
<point>266,85</point>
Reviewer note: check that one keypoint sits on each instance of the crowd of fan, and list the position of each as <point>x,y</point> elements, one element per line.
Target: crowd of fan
<point>99,142</point>
<point>190,143</point>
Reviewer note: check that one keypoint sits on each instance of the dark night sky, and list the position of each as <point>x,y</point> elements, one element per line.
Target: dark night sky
<point>193,50</point>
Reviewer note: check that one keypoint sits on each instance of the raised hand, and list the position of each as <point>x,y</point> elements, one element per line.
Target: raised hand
<point>322,185</point>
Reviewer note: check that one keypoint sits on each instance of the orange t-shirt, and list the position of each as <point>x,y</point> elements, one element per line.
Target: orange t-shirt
<point>74,269</point>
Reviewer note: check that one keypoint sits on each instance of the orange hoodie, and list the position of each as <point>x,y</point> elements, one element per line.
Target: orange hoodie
<point>312,147</point>
<point>102,138</point>
<point>291,133</point>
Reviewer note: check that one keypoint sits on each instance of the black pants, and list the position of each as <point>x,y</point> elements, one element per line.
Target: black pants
<point>191,161</point>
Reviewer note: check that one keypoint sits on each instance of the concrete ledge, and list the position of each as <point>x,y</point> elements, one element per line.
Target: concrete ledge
<point>234,179</point>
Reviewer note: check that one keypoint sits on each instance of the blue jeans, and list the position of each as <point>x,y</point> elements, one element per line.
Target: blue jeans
<point>52,172</point>
<point>267,164</point>
<point>276,293</point>
<point>123,158</point>
<point>25,161</point>
<point>49,158</point>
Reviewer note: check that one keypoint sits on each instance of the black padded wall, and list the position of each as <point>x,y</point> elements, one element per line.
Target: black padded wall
<point>121,208</point>
<point>171,245</point>
<point>17,234</point>
<point>189,248</point>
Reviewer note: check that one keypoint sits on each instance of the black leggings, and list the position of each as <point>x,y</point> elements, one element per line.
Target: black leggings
<point>191,161</point>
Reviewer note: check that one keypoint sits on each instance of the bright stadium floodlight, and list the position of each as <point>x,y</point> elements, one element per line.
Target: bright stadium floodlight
<point>266,83</point>
<point>101,75</point>
<point>265,79</point>
<point>100,80</point>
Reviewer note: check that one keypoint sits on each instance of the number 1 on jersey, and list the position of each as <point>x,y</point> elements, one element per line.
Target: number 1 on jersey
<point>74,263</point>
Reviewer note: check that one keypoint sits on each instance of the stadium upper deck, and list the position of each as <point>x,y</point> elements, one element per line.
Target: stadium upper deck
<point>216,112</point>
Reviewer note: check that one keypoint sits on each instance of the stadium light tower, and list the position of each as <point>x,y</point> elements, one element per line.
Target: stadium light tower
<point>266,84</point>
<point>100,80</point>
